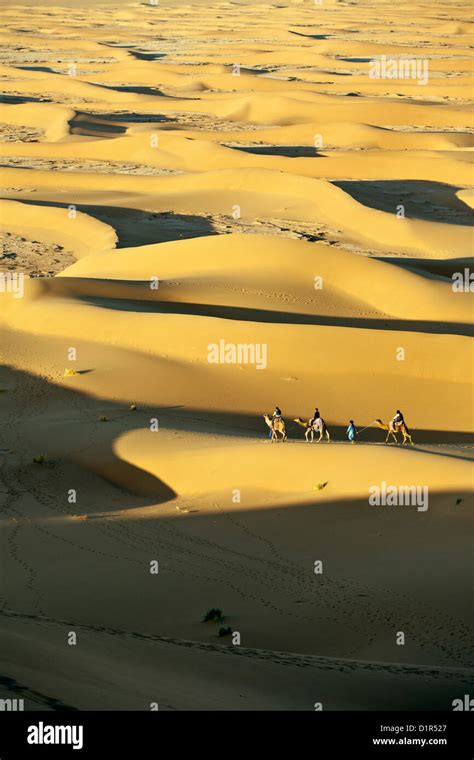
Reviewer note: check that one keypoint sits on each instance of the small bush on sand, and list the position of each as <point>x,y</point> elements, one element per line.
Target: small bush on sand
<point>213,615</point>
<point>320,486</point>
<point>225,631</point>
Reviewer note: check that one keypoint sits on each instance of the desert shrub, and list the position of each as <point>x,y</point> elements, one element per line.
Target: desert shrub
<point>213,615</point>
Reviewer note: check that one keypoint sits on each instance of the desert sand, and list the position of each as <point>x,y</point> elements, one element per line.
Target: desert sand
<point>181,176</point>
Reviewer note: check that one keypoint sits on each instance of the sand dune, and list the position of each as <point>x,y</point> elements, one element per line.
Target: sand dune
<point>234,193</point>
<point>207,210</point>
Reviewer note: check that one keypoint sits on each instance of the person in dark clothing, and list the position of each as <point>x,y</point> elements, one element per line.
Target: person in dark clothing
<point>277,413</point>
<point>398,419</point>
<point>275,416</point>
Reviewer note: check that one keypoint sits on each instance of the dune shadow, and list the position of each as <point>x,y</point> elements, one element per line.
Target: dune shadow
<point>421,199</point>
<point>288,151</point>
<point>78,124</point>
<point>354,59</point>
<point>242,425</point>
<point>105,463</point>
<point>382,564</point>
<point>246,425</point>
<point>135,227</point>
<point>134,89</point>
<point>438,269</point>
<point>45,69</point>
<point>147,56</point>
<point>134,480</point>
<point>337,73</point>
<point>124,118</point>
<point>243,314</point>
<point>183,417</point>
<point>312,36</point>
<point>17,99</point>
<point>106,120</point>
<point>256,70</point>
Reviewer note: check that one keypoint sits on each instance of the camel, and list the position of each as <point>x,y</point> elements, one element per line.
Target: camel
<point>276,426</point>
<point>318,424</point>
<point>400,428</point>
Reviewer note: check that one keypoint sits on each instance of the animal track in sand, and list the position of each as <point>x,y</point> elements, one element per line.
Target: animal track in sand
<point>280,658</point>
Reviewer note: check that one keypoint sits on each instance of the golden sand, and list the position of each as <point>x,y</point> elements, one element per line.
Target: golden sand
<point>178,177</point>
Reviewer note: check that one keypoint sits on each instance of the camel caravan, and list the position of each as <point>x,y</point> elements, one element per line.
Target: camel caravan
<point>317,425</point>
